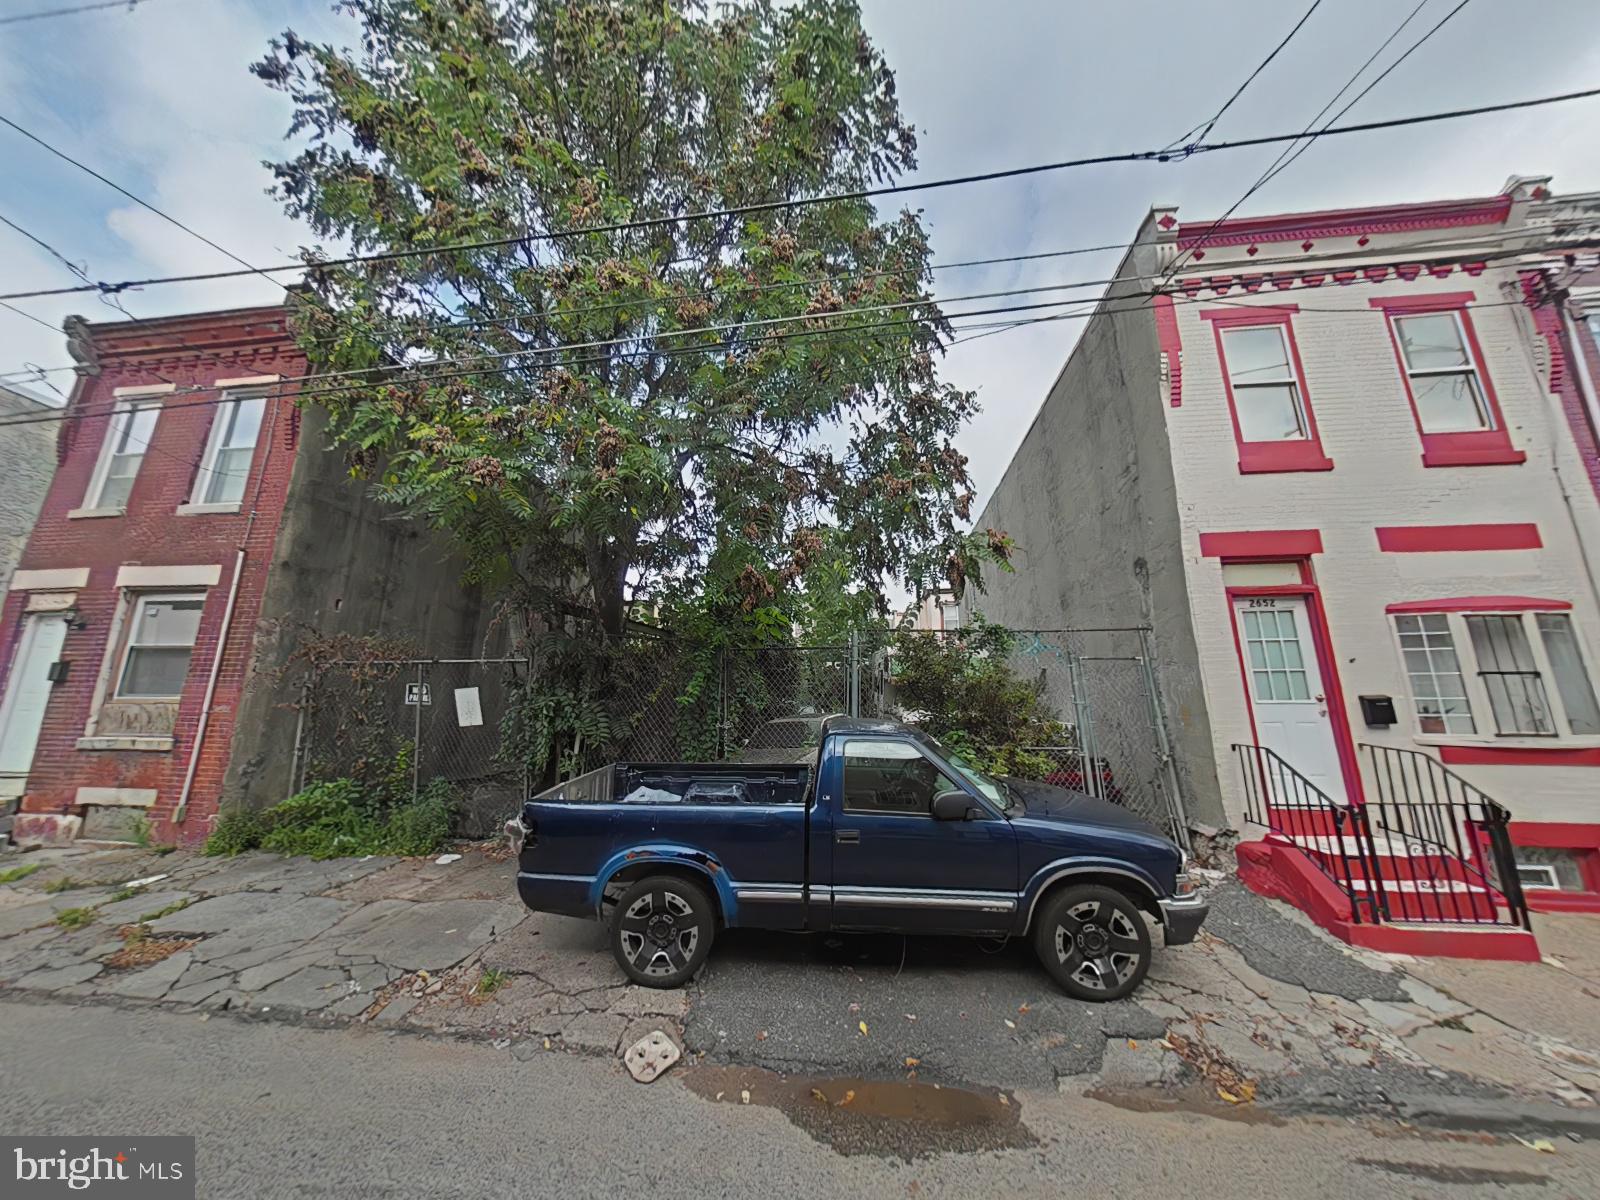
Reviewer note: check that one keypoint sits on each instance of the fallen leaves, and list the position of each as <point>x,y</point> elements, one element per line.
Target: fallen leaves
<point>913,1062</point>
<point>862,1025</point>
<point>744,1097</point>
<point>818,1095</point>
<point>848,1097</point>
<point>1542,1145</point>
<point>1244,1092</point>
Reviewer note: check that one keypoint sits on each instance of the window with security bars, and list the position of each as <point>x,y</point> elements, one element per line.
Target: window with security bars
<point>1438,689</point>
<point>1277,665</point>
<point>1517,696</point>
<point>1444,379</point>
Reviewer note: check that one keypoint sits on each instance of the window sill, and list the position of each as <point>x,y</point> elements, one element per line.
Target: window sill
<point>1261,458</point>
<point>125,743</point>
<point>1470,450</point>
<point>201,510</point>
<point>1556,752</point>
<point>84,514</point>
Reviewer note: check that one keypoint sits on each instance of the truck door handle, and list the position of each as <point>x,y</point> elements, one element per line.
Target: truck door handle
<point>849,837</point>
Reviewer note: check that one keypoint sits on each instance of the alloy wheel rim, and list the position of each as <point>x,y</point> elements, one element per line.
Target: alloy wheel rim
<point>1097,944</point>
<point>659,933</point>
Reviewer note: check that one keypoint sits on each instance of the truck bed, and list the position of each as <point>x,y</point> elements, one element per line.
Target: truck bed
<point>685,783</point>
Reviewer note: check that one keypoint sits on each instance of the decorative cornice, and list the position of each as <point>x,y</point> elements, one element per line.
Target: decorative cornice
<point>1344,222</point>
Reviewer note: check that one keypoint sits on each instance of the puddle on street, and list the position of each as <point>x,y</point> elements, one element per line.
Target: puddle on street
<point>865,1116</point>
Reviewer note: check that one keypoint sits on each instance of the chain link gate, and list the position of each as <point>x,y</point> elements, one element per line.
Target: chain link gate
<point>409,722</point>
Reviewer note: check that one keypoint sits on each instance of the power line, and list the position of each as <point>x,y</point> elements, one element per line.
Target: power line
<point>429,375</point>
<point>117,187</point>
<point>860,194</point>
<point>1291,152</point>
<point>1469,249</point>
<point>1251,78</point>
<point>45,13</point>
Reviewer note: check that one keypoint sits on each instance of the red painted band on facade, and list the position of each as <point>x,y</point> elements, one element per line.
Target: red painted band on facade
<point>1519,756</point>
<point>1481,604</point>
<point>1171,342</point>
<point>1423,539</point>
<point>1262,543</point>
<point>1345,222</point>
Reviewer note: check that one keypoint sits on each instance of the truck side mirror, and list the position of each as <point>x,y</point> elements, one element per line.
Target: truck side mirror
<point>951,806</point>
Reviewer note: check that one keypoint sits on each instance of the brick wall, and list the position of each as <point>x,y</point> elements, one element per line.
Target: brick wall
<point>250,343</point>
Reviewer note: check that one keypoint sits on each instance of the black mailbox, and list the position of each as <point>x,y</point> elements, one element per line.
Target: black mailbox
<point>1377,711</point>
<point>57,671</point>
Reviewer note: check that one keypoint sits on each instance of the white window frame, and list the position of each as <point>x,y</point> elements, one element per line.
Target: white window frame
<point>1478,700</point>
<point>205,476</point>
<point>1473,368</point>
<point>121,415</point>
<point>135,611</point>
<point>1554,883</point>
<point>1291,381</point>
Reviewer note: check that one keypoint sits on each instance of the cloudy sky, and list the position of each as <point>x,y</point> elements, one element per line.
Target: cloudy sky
<point>160,100</point>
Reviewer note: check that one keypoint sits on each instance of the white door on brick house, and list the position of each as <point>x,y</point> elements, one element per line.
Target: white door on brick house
<point>26,695</point>
<point>1286,692</point>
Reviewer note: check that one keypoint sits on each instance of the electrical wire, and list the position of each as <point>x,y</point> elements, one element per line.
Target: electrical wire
<point>803,202</point>
<point>428,374</point>
<point>1249,79</point>
<point>46,13</point>
<point>1294,149</point>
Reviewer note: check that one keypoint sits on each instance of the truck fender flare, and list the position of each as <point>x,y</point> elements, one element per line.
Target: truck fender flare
<point>1054,872</point>
<point>668,854</point>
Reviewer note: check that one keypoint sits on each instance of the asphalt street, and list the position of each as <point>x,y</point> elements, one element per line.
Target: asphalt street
<point>282,1110</point>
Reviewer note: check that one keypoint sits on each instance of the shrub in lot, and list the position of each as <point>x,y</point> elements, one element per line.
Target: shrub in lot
<point>235,831</point>
<point>340,817</point>
<point>960,687</point>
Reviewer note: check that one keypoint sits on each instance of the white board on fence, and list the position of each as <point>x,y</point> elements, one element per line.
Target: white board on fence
<point>469,709</point>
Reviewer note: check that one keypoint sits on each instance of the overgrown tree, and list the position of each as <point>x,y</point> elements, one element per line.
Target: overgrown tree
<point>705,409</point>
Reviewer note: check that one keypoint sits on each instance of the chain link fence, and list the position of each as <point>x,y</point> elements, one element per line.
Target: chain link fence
<point>478,723</point>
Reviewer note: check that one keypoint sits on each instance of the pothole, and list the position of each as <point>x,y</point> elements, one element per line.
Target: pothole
<point>904,1120</point>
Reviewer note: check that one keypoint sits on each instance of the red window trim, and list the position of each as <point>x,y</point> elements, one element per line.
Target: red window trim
<point>1262,543</point>
<point>1464,604</point>
<point>1419,539</point>
<point>1519,756</point>
<point>1487,447</point>
<point>1269,457</point>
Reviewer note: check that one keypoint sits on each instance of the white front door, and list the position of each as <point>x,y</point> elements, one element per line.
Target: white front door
<point>1286,692</point>
<point>27,692</point>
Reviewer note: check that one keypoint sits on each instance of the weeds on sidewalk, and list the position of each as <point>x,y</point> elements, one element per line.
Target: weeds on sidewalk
<point>65,884</point>
<point>74,918</point>
<point>491,981</point>
<point>342,817</point>
<point>12,874</point>
<point>175,906</point>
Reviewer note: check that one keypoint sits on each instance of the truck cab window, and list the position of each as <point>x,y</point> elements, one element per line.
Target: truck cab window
<point>890,777</point>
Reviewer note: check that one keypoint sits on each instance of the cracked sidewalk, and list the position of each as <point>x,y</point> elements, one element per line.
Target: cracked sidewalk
<point>1262,1006</point>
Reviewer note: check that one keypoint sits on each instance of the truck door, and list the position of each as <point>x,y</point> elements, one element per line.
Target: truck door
<point>894,865</point>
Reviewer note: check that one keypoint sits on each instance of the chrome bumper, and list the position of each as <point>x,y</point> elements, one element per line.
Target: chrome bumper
<point>1182,917</point>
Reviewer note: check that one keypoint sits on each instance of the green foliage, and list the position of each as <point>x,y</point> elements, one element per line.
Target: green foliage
<point>141,832</point>
<point>234,831</point>
<point>123,893</point>
<point>175,906</point>
<point>421,826</point>
<point>960,687</point>
<point>65,884</point>
<point>326,820</point>
<point>21,871</point>
<point>74,918</point>
<point>586,445</point>
<point>491,981</point>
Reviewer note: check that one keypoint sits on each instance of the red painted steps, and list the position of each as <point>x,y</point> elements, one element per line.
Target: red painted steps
<point>1281,870</point>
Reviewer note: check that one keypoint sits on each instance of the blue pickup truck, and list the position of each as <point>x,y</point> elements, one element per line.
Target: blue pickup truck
<point>883,829</point>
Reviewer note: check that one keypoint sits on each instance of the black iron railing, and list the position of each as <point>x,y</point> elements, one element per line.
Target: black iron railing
<point>1447,844</point>
<point>1284,801</point>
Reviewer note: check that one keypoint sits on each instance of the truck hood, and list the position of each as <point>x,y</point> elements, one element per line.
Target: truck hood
<point>1047,804</point>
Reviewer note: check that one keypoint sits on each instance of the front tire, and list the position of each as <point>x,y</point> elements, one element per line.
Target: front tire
<point>1093,941</point>
<point>661,930</point>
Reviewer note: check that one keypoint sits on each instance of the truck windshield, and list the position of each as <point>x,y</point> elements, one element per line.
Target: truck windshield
<point>989,786</point>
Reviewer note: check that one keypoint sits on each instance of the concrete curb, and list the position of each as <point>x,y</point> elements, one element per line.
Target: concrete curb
<point>1496,1115</point>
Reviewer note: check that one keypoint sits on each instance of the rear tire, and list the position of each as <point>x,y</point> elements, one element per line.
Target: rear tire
<point>661,930</point>
<point>1093,941</point>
